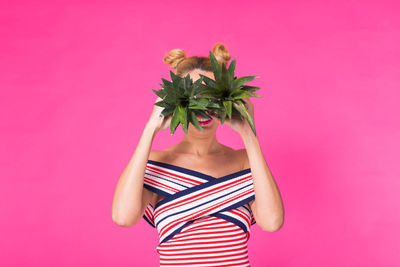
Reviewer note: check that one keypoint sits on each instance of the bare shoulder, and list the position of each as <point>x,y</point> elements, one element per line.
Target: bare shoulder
<point>154,154</point>
<point>159,155</point>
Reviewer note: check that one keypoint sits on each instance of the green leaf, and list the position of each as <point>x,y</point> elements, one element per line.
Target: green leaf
<point>208,81</point>
<point>160,93</point>
<point>171,91</point>
<point>238,94</point>
<point>243,94</point>
<point>213,105</point>
<point>242,80</point>
<point>228,108</point>
<point>166,82</point>
<point>215,66</point>
<point>188,80</point>
<point>209,92</point>
<point>197,107</point>
<point>204,89</point>
<point>250,94</point>
<point>161,104</point>
<point>225,77</point>
<point>198,104</point>
<point>221,87</point>
<point>201,114</point>
<point>245,113</point>
<point>183,118</point>
<point>250,88</point>
<point>182,86</point>
<point>175,120</point>
<point>222,115</point>
<point>175,78</point>
<point>193,119</point>
<point>167,111</point>
<point>171,99</point>
<point>231,68</point>
<point>236,113</point>
<point>195,89</point>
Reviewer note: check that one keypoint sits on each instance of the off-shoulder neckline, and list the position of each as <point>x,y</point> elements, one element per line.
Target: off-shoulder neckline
<point>194,172</point>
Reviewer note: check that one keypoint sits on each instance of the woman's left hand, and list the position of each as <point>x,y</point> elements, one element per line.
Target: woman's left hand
<point>239,125</point>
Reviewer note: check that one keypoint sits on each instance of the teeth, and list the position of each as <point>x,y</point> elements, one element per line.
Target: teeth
<point>202,119</point>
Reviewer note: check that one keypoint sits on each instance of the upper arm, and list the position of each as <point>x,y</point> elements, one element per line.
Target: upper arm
<point>147,195</point>
<point>244,158</point>
<point>246,165</point>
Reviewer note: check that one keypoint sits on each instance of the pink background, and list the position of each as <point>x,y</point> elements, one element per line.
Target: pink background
<point>76,80</point>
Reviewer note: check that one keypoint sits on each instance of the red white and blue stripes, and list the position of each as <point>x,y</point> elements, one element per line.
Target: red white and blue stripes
<point>203,220</point>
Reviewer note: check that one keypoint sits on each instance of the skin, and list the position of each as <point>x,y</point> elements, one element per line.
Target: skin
<point>199,151</point>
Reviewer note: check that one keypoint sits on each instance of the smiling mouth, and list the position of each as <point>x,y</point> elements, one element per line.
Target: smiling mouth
<point>203,121</point>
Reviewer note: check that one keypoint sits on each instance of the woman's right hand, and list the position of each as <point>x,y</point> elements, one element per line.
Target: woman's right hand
<point>158,121</point>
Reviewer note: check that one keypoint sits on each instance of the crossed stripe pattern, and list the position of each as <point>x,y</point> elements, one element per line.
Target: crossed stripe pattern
<point>201,218</point>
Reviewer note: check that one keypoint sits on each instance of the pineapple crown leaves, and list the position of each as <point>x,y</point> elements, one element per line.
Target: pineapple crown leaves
<point>227,91</point>
<point>180,98</point>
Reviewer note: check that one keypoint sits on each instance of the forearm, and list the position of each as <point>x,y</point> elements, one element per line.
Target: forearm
<point>269,210</point>
<point>128,197</point>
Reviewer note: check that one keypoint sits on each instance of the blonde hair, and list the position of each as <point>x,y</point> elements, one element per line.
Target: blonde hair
<point>177,59</point>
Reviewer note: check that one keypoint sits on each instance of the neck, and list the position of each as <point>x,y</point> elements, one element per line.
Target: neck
<point>200,144</point>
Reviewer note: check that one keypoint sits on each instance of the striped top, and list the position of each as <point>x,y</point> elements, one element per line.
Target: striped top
<point>203,220</point>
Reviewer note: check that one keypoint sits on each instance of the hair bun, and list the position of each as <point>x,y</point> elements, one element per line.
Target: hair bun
<point>221,53</point>
<point>174,57</point>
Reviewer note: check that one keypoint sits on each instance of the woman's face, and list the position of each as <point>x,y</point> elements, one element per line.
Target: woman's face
<point>207,125</point>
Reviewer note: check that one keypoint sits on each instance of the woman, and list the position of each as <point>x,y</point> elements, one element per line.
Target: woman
<point>202,196</point>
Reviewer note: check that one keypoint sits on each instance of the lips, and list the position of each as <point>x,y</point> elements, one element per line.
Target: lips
<point>203,122</point>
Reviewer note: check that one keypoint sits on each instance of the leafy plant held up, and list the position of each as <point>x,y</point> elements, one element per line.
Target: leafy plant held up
<point>227,92</point>
<point>180,98</point>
